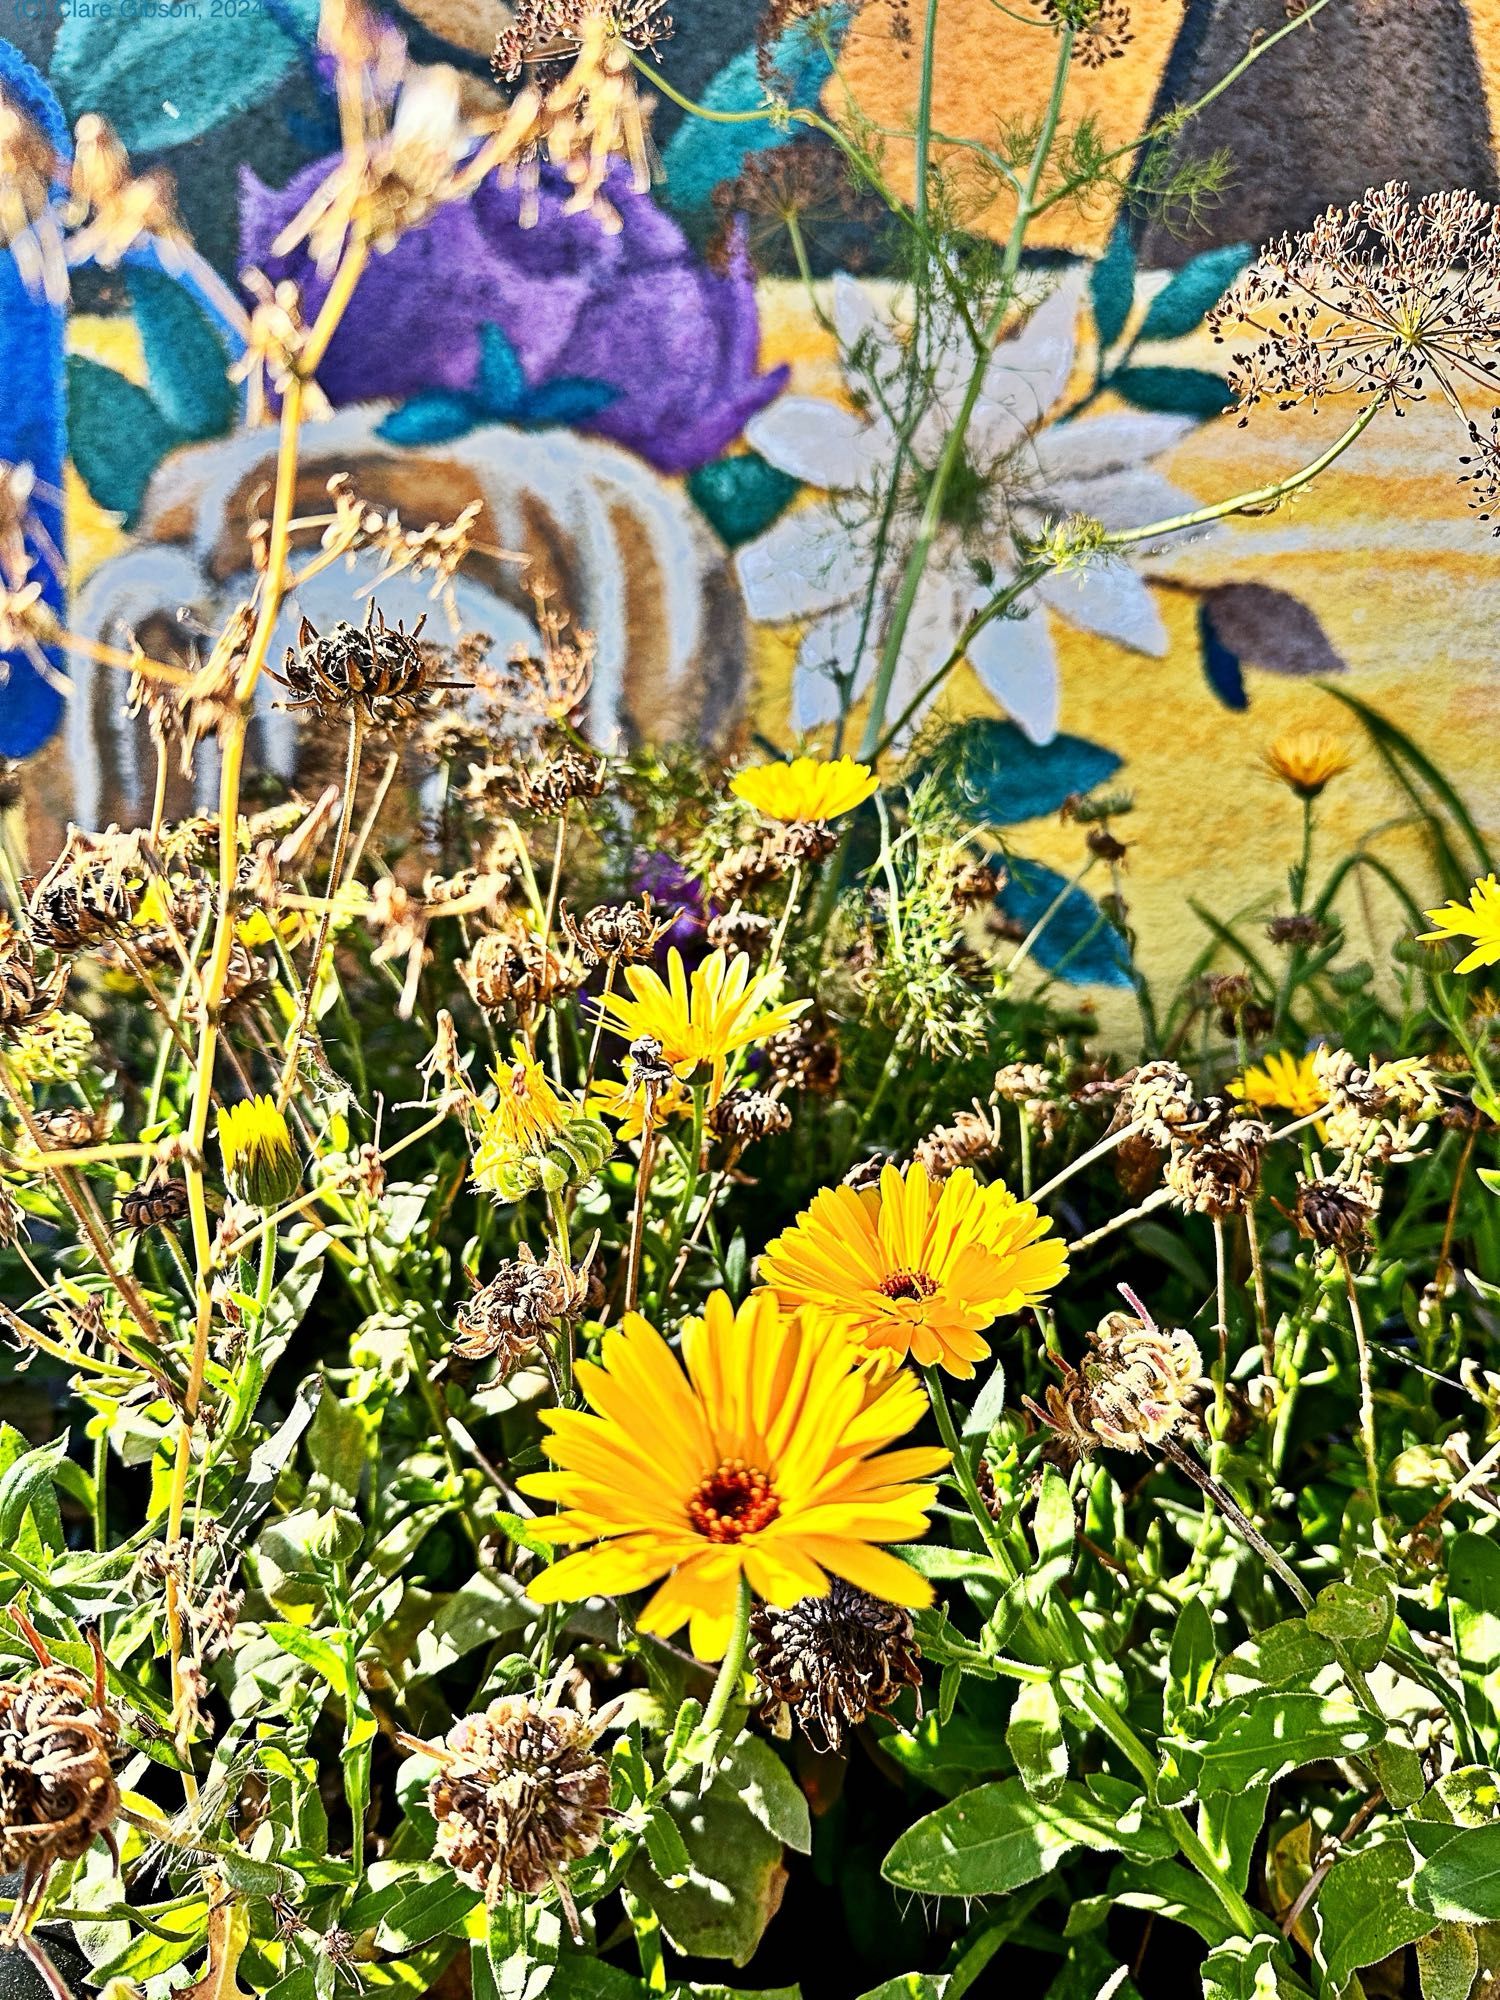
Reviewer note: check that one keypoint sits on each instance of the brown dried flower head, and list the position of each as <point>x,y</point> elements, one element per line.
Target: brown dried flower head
<point>971,1139</point>
<point>1160,1098</point>
<point>523,1303</point>
<point>742,1116</point>
<point>548,785</point>
<point>59,1741</point>
<point>88,893</point>
<point>617,933</point>
<point>26,996</point>
<point>744,870</point>
<point>71,1126</point>
<point>110,208</point>
<point>1101,28</point>
<point>1380,1112</point>
<point>513,968</point>
<point>1133,1390</point>
<point>1218,1171</point>
<point>521,1792</point>
<point>827,1663</point>
<point>1335,1212</point>
<point>805,1056</point>
<point>740,930</point>
<point>379,671</point>
<point>157,1203</point>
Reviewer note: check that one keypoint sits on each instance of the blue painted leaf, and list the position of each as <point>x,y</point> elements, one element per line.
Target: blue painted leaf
<point>28,90</point>
<point>1000,777</point>
<point>116,434</point>
<point>1078,942</point>
<point>162,81</point>
<point>1188,294</point>
<point>571,399</point>
<point>741,496</point>
<point>499,380</point>
<point>185,358</point>
<point>431,417</point>
<point>1220,663</point>
<point>701,155</point>
<point>1112,286</point>
<point>1183,392</point>
<point>30,707</point>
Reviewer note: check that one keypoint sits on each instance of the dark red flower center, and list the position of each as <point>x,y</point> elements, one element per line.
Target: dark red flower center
<point>908,1285</point>
<point>733,1501</point>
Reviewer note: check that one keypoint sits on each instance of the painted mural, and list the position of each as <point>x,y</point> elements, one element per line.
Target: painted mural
<point>660,414</point>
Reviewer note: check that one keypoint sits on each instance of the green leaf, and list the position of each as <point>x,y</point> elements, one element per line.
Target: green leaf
<point>987,1409</point>
<point>1249,1969</point>
<point>1280,1654</point>
<point>1168,1889</point>
<point>1035,1739</point>
<point>116,435</point>
<point>1229,1824</point>
<point>26,1489</point>
<point>1255,1739</point>
<point>1112,286</point>
<point>770,1792</point>
<point>1187,295</point>
<point>1185,392</point>
<point>1457,1874</point>
<point>161,81</point>
<point>997,1838</point>
<point>1356,1617</point>
<point>910,1986</point>
<point>186,362</point>
<point>1191,1661</point>
<point>1364,1912</point>
<point>440,1907</point>
<point>1447,1963</point>
<point>1474,1620</point>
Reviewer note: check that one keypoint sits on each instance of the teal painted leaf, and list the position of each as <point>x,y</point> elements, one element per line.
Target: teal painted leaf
<point>1180,392</point>
<point>1221,663</point>
<point>1077,943</point>
<point>185,358</point>
<point>432,416</point>
<point>741,496</point>
<point>1000,777</point>
<point>116,435</point>
<point>1112,286</point>
<point>572,399</point>
<point>132,71</point>
<point>701,154</point>
<point>499,380</point>
<point>1186,297</point>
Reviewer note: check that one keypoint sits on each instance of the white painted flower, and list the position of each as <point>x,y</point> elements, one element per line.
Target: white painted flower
<point>1020,471</point>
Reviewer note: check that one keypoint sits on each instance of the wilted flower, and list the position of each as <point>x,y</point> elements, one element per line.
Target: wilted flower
<point>261,1167</point>
<point>1335,1212</point>
<point>805,1056</point>
<point>1378,1112</point>
<point>829,1662</point>
<point>29,167</point>
<point>745,869</point>
<point>1300,931</point>
<point>87,895</point>
<point>972,1138</point>
<point>378,670</point>
<point>739,929</point>
<point>110,207</point>
<point>616,933</point>
<point>1133,1390</point>
<point>25,995</point>
<point>1160,1098</point>
<point>742,1116</point>
<point>549,785</point>
<point>1218,1172</point>
<point>157,1203</point>
<point>510,1316</point>
<point>513,967</point>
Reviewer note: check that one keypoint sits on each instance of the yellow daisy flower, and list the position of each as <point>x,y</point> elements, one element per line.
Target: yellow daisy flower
<point>260,1161</point>
<point>761,1454</point>
<point>807,789</point>
<point>705,1019</point>
<point>1478,919</point>
<point>1282,1083</point>
<point>1308,760</point>
<point>916,1266</point>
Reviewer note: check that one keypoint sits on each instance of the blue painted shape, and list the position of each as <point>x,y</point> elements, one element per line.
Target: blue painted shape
<point>1187,295</point>
<point>740,496</point>
<point>701,155</point>
<point>33,427</point>
<point>499,394</point>
<point>998,777</point>
<point>185,360</point>
<point>1112,286</point>
<point>1221,664</point>
<point>1078,942</point>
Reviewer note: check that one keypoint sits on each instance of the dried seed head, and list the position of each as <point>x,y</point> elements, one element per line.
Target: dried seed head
<point>525,1301</point>
<point>1380,1112</point>
<point>828,1662</point>
<point>1218,1172</point>
<point>866,1173</point>
<point>742,1116</point>
<point>973,883</point>
<point>805,1056</point>
<point>1101,28</point>
<point>808,841</point>
<point>648,1065</point>
<point>513,968</point>
<point>1160,1097</point>
<point>378,670</point>
<point>547,786</point>
<point>521,1793</point>
<point>737,930</point>
<point>158,1203</point>
<point>972,1138</point>
<point>88,893</point>
<point>617,933</point>
<point>1335,1213</point>
<point>25,996</point>
<point>1302,933</point>
<point>1133,1390</point>
<point>59,1742</point>
<point>744,870</point>
<point>71,1126</point>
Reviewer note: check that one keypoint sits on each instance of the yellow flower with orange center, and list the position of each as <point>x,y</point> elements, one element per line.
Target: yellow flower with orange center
<point>1478,918</point>
<point>806,790</point>
<point>760,1455</point>
<point>916,1267</point>
<point>1282,1082</point>
<point>705,1019</point>
<point>1308,760</point>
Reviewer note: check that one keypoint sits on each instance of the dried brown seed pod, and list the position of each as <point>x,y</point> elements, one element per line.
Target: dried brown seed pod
<point>509,1317</point>
<point>617,933</point>
<point>380,671</point>
<point>972,1138</point>
<point>26,996</point>
<point>1134,1389</point>
<point>158,1203</point>
<point>1336,1213</point>
<point>805,1056</point>
<point>742,1116</point>
<point>826,1663</point>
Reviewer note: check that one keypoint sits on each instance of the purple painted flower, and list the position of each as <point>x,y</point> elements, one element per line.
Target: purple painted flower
<point>678,343</point>
<point>669,884</point>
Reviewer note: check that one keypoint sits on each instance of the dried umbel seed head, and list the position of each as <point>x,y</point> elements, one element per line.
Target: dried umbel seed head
<point>526,1300</point>
<point>87,895</point>
<point>549,785</point>
<point>379,671</point>
<point>973,883</point>
<point>739,930</point>
<point>25,995</point>
<point>617,933</point>
<point>744,870</point>
<point>828,1662</point>
<point>1300,933</point>
<point>1336,1213</point>
<point>1219,1173</point>
<point>522,1792</point>
<point>515,969</point>
<point>1160,1098</point>
<point>158,1203</point>
<point>805,1056</point>
<point>971,1139</point>
<point>59,1741</point>
<point>1136,1387</point>
<point>742,1116</point>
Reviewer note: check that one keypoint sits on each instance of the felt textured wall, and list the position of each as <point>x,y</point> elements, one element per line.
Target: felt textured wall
<point>598,395</point>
